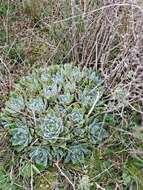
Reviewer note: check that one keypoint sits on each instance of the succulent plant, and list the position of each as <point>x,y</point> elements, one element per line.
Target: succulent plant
<point>41,155</point>
<point>20,137</point>
<point>77,116</point>
<point>51,128</point>
<point>97,133</point>
<point>15,104</point>
<point>36,105</point>
<point>47,115</point>
<point>77,154</point>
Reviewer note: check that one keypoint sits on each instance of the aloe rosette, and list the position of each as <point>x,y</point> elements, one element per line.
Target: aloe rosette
<point>54,114</point>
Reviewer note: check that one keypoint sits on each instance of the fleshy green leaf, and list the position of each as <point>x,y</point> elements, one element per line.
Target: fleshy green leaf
<point>51,91</point>
<point>77,116</point>
<point>97,133</point>
<point>20,137</point>
<point>77,154</point>
<point>50,108</point>
<point>65,99</point>
<point>41,156</point>
<point>36,105</point>
<point>15,104</point>
<point>51,127</point>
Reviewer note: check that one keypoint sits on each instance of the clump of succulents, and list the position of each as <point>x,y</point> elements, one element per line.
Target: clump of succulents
<point>54,115</point>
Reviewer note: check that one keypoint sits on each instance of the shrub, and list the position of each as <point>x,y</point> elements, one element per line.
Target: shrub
<point>55,115</point>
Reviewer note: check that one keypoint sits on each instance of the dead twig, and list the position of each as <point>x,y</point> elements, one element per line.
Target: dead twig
<point>64,175</point>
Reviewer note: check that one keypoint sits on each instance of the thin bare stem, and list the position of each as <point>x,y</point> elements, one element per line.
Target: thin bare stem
<point>64,175</point>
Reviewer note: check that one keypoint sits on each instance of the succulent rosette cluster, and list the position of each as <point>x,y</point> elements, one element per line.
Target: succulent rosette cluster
<point>53,114</point>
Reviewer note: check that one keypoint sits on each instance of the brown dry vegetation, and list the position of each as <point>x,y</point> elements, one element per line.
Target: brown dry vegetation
<point>105,35</point>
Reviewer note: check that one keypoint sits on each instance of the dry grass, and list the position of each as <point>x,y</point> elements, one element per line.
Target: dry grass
<point>105,35</point>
